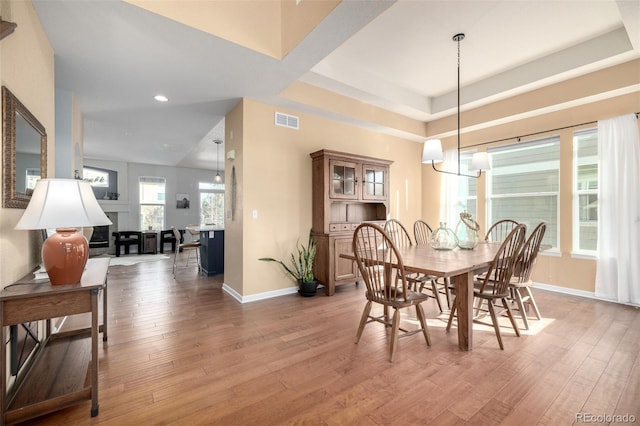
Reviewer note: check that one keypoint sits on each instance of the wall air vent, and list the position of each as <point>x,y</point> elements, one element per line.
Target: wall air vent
<point>286,120</point>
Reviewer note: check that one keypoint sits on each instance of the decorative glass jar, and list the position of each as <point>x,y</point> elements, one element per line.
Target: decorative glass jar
<point>467,231</point>
<point>443,238</point>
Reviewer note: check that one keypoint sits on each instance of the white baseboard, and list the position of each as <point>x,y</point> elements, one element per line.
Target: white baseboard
<point>576,292</point>
<point>259,296</point>
<point>566,290</point>
<point>291,290</point>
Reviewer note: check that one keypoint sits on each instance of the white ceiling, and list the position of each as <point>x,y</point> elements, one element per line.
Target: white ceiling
<point>398,55</point>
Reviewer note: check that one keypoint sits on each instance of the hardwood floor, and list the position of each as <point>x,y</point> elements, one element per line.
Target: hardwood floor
<point>183,352</point>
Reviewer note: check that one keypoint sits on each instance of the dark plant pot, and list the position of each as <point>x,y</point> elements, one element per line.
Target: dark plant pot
<point>307,289</point>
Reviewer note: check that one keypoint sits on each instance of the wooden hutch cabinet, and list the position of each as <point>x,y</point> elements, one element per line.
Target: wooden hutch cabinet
<point>348,189</point>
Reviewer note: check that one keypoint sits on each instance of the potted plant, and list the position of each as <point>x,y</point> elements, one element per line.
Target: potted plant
<point>301,267</point>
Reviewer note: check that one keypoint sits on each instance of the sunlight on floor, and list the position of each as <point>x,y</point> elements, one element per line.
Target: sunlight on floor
<point>482,323</point>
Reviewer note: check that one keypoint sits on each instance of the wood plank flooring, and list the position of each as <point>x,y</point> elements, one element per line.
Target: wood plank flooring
<point>183,352</point>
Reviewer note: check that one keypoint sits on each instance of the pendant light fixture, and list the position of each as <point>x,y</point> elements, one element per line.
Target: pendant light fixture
<point>218,178</point>
<point>432,150</point>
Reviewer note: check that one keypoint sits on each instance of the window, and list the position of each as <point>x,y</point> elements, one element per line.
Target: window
<point>32,176</point>
<point>211,203</point>
<point>585,197</point>
<point>152,202</point>
<point>458,193</point>
<point>96,177</point>
<point>523,185</point>
<point>104,182</point>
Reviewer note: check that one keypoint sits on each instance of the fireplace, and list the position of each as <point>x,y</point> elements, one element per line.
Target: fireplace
<point>100,237</point>
<point>101,241</point>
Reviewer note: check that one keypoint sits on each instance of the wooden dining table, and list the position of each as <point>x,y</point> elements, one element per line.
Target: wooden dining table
<point>460,266</point>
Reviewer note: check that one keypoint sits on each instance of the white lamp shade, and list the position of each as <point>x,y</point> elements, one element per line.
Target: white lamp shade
<point>480,161</point>
<point>432,151</point>
<point>62,203</point>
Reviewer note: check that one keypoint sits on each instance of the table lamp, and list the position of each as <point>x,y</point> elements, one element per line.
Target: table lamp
<point>64,204</point>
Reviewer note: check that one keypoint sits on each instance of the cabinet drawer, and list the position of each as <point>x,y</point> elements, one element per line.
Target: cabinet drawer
<point>343,227</point>
<point>379,243</point>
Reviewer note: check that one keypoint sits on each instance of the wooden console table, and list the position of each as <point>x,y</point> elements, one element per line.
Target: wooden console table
<point>64,368</point>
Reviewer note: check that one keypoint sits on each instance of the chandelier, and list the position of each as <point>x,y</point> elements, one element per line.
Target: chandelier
<point>432,150</point>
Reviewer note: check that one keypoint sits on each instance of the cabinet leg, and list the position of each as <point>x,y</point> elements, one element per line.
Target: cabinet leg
<point>329,289</point>
<point>94,411</point>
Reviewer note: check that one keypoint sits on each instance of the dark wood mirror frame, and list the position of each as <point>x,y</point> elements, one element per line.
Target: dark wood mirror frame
<point>11,197</point>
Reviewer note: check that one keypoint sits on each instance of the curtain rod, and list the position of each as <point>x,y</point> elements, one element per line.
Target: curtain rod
<point>537,133</point>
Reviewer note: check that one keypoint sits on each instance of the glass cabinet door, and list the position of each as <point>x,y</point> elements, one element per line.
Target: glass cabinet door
<point>344,179</point>
<point>374,185</point>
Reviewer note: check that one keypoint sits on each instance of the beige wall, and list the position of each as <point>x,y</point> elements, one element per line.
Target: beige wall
<point>27,69</point>
<point>273,164</point>
<point>253,24</point>
<point>606,83</point>
<point>609,92</point>
<point>233,223</point>
<point>299,18</point>
<point>276,183</point>
<point>271,27</point>
<point>560,269</point>
<point>277,176</point>
<point>356,111</point>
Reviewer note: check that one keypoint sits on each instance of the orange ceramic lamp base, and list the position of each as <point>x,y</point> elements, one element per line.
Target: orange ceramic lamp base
<point>64,255</point>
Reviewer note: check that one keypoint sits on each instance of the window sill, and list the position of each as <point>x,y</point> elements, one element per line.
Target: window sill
<point>551,253</point>
<point>587,256</point>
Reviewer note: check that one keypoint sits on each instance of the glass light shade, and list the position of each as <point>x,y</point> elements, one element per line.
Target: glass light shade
<point>64,204</point>
<point>432,151</point>
<point>480,161</point>
<point>218,178</point>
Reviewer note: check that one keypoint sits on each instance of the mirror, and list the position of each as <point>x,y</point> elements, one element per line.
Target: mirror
<point>24,152</point>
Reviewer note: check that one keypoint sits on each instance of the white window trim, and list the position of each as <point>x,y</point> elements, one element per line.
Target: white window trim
<point>219,189</point>
<point>576,251</point>
<point>153,179</point>
<point>490,196</point>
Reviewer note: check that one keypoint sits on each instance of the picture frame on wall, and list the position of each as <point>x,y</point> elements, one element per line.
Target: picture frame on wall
<point>183,201</point>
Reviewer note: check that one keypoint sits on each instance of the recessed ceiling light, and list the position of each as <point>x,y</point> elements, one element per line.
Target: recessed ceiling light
<point>161,98</point>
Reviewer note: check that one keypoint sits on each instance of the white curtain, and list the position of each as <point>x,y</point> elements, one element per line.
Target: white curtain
<point>618,266</point>
<point>449,194</point>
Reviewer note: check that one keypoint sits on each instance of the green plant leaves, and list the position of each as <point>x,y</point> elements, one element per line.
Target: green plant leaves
<point>301,261</point>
